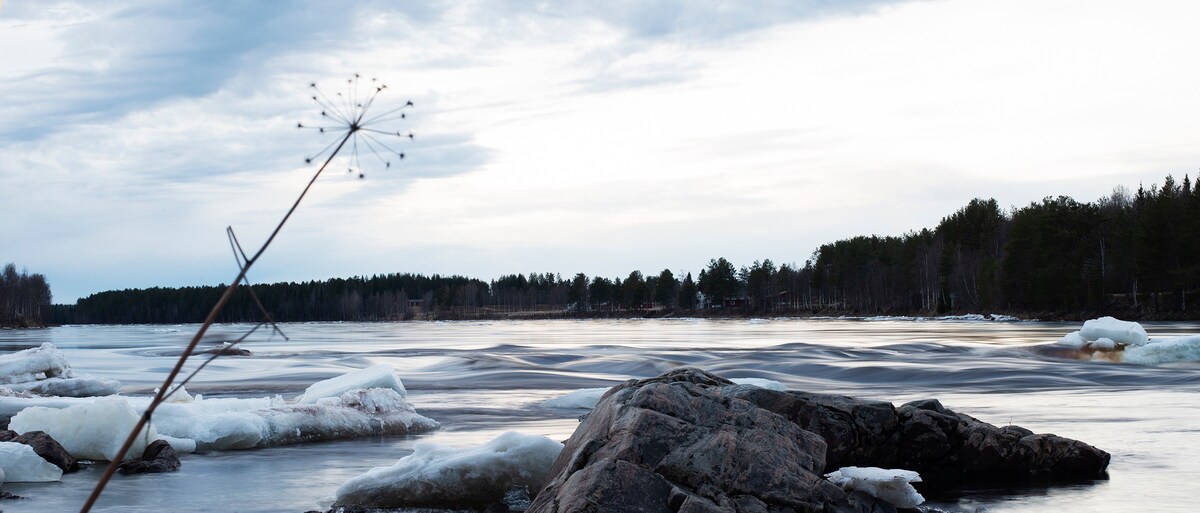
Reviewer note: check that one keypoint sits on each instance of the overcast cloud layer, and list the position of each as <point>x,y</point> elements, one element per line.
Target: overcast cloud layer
<point>564,137</point>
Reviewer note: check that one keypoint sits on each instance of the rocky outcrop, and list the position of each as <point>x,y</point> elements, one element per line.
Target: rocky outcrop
<point>945,447</point>
<point>689,441</point>
<point>676,444</point>
<point>158,457</point>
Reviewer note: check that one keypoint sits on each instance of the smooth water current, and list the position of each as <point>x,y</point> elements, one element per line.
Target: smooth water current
<point>480,379</point>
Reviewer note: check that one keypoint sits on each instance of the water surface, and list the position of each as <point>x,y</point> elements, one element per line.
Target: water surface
<point>480,379</point>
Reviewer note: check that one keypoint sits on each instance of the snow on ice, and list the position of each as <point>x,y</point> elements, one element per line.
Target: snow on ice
<point>436,475</point>
<point>19,464</point>
<point>890,485</point>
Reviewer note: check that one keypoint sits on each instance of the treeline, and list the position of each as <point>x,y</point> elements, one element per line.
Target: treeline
<point>24,298</point>
<point>1134,254</point>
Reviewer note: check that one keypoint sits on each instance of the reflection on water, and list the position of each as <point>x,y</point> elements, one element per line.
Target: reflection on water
<point>482,378</point>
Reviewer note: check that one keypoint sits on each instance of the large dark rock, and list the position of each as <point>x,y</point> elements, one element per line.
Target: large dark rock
<point>49,449</point>
<point>159,456</point>
<point>945,447</point>
<point>675,443</point>
<point>689,441</point>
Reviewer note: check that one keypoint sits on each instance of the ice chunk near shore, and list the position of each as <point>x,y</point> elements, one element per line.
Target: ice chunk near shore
<point>890,485</point>
<point>69,387</point>
<point>20,464</point>
<point>379,376</point>
<point>91,430</point>
<point>436,475</point>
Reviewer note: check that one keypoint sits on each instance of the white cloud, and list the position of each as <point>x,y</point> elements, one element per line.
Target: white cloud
<point>578,140</point>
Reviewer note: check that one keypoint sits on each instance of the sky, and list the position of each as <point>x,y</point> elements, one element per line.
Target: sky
<point>594,137</point>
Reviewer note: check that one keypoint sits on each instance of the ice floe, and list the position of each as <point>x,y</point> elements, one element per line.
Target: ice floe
<point>91,430</point>
<point>379,376</point>
<point>890,485</point>
<point>1112,339</point>
<point>44,370</point>
<point>20,464</point>
<point>436,475</point>
<point>87,426</point>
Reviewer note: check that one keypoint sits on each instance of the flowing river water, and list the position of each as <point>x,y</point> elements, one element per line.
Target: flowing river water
<point>479,379</point>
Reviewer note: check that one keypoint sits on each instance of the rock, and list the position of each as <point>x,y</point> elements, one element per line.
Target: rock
<point>7,435</point>
<point>49,449</point>
<point>675,443</point>
<point>692,442</point>
<point>227,349</point>
<point>158,457</point>
<point>945,447</point>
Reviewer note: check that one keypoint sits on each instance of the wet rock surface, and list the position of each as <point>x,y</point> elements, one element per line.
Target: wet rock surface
<point>689,441</point>
<point>158,457</point>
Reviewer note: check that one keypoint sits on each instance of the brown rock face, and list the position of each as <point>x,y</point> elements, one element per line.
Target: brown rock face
<point>689,441</point>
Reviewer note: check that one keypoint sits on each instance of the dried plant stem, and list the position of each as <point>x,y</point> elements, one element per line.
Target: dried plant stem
<point>212,316</point>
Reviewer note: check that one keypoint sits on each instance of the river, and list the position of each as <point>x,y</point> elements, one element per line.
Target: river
<point>480,379</point>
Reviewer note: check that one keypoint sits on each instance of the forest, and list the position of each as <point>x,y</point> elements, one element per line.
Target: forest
<point>24,298</point>
<point>1133,254</point>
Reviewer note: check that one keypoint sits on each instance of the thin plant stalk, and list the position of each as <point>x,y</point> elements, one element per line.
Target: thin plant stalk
<point>212,316</point>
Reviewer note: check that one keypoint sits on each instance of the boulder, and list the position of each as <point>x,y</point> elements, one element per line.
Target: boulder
<point>675,443</point>
<point>49,449</point>
<point>945,447</point>
<point>158,457</point>
<point>689,441</point>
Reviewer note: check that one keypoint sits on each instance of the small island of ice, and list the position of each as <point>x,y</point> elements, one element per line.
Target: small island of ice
<point>1107,338</point>
<point>890,485</point>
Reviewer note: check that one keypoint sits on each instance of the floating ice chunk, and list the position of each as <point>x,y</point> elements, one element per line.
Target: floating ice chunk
<point>1103,344</point>
<point>12,404</point>
<point>1072,339</point>
<point>218,424</point>
<point>442,476</point>
<point>178,394</point>
<point>69,387</point>
<point>379,376</point>
<point>1122,332</point>
<point>768,384</point>
<point>34,364</point>
<point>19,464</point>
<point>584,398</point>
<point>890,485</point>
<point>90,431</point>
<point>1164,350</point>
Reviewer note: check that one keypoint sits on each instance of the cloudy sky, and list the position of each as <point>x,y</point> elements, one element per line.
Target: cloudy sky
<point>599,137</point>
